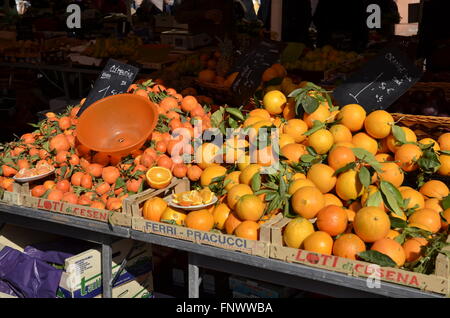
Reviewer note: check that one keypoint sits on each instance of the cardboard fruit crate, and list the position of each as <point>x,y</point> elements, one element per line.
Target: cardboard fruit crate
<point>21,195</point>
<point>213,238</point>
<point>438,282</point>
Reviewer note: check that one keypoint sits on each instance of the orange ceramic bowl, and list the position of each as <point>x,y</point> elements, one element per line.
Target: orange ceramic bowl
<point>117,124</point>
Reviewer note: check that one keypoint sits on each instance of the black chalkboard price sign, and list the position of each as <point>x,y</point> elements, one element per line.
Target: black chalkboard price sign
<point>115,79</point>
<point>252,66</point>
<point>380,82</point>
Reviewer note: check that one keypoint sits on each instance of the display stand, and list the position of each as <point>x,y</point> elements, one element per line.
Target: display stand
<point>201,256</point>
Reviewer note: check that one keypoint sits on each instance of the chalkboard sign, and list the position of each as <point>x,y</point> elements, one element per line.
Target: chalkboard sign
<point>115,79</point>
<point>380,82</point>
<point>252,66</point>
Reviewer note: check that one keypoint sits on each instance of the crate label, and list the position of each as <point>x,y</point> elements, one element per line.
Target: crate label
<point>62,207</point>
<point>209,238</point>
<point>359,269</point>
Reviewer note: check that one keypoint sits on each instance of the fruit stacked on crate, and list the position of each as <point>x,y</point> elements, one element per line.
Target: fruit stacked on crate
<point>96,179</point>
<point>356,184</point>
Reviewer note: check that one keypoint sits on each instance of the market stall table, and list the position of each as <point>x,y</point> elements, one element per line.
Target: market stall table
<point>255,267</point>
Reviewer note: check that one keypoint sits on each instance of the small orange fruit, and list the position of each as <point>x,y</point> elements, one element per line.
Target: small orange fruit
<point>390,248</point>
<point>319,242</point>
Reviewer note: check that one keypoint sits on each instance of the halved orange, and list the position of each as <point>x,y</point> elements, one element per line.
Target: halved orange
<point>158,177</point>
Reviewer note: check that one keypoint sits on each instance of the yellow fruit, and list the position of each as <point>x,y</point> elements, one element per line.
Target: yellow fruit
<point>364,141</point>
<point>352,116</point>
<point>434,189</point>
<point>234,179</point>
<point>293,152</point>
<point>341,133</point>
<point>371,190</point>
<point>247,173</point>
<point>392,143</point>
<point>206,155</point>
<point>307,202</point>
<point>300,183</point>
<point>274,102</point>
<point>416,198</point>
<point>392,173</point>
<point>297,231</point>
<point>319,242</point>
<point>220,214</point>
<point>243,162</point>
<point>378,124</point>
<point>250,121</point>
<point>210,173</point>
<point>340,156</point>
<point>322,176</point>
<point>259,112</point>
<point>407,156</point>
<point>321,140</point>
<point>348,186</point>
<point>296,128</point>
<point>444,142</point>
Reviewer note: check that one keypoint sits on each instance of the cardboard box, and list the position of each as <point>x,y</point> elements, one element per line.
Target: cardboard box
<point>213,238</point>
<point>83,279</point>
<point>437,283</point>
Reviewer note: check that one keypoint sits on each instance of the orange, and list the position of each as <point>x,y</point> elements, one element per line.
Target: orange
<point>434,204</point>
<point>341,133</point>
<point>207,76</point>
<point>289,110</point>
<point>296,128</point>
<point>200,220</point>
<point>350,215</point>
<point>352,116</point>
<point>158,177</point>
<point>299,183</point>
<point>279,69</point>
<point>233,178</point>
<point>110,174</point>
<point>173,216</point>
<point>407,156</point>
<point>194,173</point>
<point>248,172</point>
<point>231,223</point>
<point>274,102</point>
<point>63,185</point>
<point>378,124</point>
<point>348,186</point>
<point>348,246</point>
<point>188,103</point>
<point>322,114</point>
<point>392,173</point>
<point>236,192</point>
<point>321,140</point>
<point>322,176</point>
<point>413,247</point>
<point>307,202</point>
<point>371,190</point>
<point>428,141</point>
<point>269,74</point>
<point>248,230</point>
<point>444,169</point>
<point>416,199</point>
<point>371,224</point>
<point>259,112</point>
<point>285,139</point>
<point>319,242</point>
<point>392,234</point>
<point>251,120</point>
<point>340,156</point>
<point>331,199</point>
<point>220,214</point>
<point>382,157</point>
<point>230,79</point>
<point>364,141</point>
<point>426,219</point>
<point>434,189</point>
<point>393,145</point>
<point>55,195</point>
<point>95,170</point>
<point>59,143</point>
<point>50,184</point>
<point>38,191</point>
<point>444,142</point>
<point>332,219</point>
<point>390,248</point>
<point>210,173</point>
<point>293,152</point>
<point>153,209</point>
<point>297,231</point>
<point>206,155</point>
<point>249,207</point>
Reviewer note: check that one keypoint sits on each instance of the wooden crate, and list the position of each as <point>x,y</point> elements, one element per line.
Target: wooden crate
<point>437,283</point>
<point>213,238</point>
